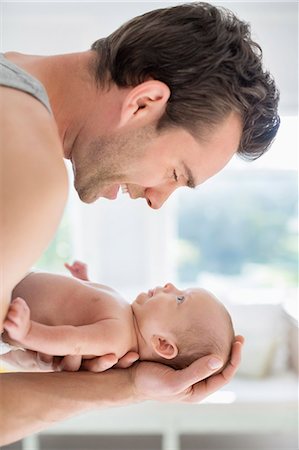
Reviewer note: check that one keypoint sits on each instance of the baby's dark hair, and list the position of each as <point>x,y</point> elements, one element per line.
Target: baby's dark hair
<point>198,341</point>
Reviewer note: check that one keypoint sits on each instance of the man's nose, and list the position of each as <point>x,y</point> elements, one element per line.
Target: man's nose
<point>156,198</point>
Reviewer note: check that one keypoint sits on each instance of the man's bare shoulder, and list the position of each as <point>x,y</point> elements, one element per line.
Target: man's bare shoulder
<point>30,144</point>
<point>34,183</point>
<point>25,122</point>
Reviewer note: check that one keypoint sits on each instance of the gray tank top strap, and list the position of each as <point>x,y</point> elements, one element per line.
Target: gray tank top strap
<point>13,76</point>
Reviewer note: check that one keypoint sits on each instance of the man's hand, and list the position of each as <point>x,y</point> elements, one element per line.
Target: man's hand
<point>17,322</point>
<point>105,362</point>
<point>154,381</point>
<point>78,269</point>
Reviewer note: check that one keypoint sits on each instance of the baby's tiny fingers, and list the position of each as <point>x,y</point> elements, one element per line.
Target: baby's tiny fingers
<point>15,320</point>
<point>13,313</point>
<point>18,310</point>
<point>9,325</point>
<point>19,303</point>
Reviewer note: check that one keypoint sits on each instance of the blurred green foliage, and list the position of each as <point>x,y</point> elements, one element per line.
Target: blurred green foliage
<point>59,251</point>
<point>240,218</point>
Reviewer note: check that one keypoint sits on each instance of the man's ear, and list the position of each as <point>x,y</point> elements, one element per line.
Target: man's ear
<point>164,347</point>
<point>145,102</point>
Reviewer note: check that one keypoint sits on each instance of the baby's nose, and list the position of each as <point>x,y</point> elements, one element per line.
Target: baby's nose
<point>169,287</point>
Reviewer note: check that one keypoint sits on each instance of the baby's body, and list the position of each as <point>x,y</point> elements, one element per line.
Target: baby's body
<point>84,321</point>
<point>74,317</point>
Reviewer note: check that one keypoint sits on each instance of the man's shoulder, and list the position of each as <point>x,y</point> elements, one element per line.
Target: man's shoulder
<point>30,146</point>
<point>34,183</point>
<point>13,97</point>
<point>28,128</point>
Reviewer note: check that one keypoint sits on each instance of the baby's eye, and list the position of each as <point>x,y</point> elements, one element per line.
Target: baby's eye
<point>175,177</point>
<point>180,298</point>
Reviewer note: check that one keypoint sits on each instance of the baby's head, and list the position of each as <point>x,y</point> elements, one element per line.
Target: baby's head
<point>177,327</point>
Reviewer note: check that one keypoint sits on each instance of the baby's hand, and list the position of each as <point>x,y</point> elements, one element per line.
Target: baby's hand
<point>78,269</point>
<point>17,322</point>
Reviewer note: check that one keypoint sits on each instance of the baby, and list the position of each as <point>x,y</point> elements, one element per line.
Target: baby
<point>80,320</point>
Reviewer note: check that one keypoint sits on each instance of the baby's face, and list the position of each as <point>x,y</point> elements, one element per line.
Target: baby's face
<point>166,308</point>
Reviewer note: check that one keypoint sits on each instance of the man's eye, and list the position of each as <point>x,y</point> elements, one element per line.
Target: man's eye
<point>175,176</point>
<point>180,298</point>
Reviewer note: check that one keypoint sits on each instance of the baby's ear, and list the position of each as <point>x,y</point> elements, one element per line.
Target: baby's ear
<point>164,347</point>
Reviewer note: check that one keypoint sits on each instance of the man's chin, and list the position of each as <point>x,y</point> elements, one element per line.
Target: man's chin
<point>110,192</point>
<point>87,197</point>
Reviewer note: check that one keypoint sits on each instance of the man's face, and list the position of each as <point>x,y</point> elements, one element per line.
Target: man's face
<point>152,165</point>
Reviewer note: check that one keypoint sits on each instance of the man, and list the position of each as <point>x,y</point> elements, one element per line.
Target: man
<point>165,101</point>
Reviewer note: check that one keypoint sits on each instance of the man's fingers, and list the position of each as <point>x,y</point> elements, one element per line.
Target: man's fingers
<point>236,354</point>
<point>100,363</point>
<point>240,339</point>
<point>127,360</point>
<point>197,371</point>
<point>215,382</point>
<point>44,358</point>
<point>235,359</point>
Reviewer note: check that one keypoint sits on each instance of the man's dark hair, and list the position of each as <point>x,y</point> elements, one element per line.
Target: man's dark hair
<point>206,56</point>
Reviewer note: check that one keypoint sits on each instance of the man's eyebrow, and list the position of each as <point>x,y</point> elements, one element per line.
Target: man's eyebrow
<point>190,178</point>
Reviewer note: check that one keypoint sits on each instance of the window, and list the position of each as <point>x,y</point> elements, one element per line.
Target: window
<point>241,224</point>
<point>240,227</point>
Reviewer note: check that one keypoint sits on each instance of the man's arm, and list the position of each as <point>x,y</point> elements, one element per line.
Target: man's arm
<point>48,398</point>
<point>33,188</point>
<point>52,397</point>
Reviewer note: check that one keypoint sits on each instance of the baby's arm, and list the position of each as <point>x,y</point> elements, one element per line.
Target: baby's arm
<point>98,338</point>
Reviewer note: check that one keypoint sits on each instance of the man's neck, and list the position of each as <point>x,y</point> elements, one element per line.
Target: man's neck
<point>66,79</point>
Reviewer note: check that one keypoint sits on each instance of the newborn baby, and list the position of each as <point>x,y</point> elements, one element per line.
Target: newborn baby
<point>84,321</point>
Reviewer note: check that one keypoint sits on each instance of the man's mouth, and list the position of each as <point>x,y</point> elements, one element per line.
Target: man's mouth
<point>111,191</point>
<point>124,188</point>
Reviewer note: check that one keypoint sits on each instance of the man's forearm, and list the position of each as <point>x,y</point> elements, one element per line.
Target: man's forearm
<point>31,402</point>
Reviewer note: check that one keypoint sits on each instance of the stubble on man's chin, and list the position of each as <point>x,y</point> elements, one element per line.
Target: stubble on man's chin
<point>84,194</point>
<point>107,161</point>
<point>90,189</point>
<point>86,197</point>
<point>90,171</point>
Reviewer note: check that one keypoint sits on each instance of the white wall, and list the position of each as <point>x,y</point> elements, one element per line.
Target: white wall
<point>61,27</point>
